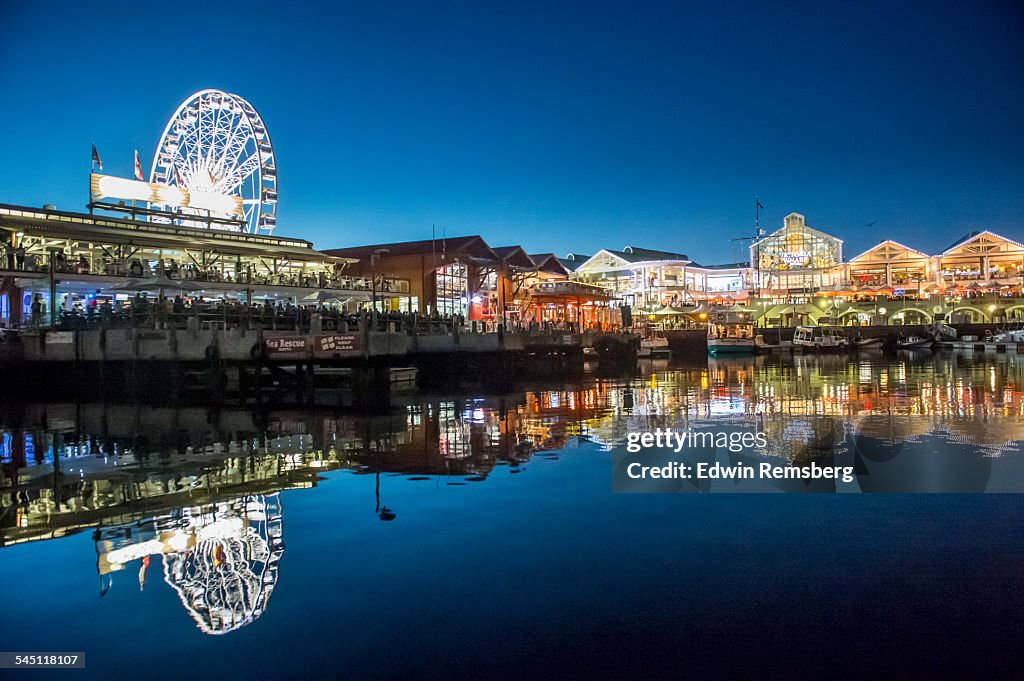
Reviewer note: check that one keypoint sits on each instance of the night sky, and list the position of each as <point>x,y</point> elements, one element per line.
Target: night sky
<point>569,127</point>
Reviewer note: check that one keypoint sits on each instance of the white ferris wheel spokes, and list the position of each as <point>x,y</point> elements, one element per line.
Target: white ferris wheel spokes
<point>216,142</point>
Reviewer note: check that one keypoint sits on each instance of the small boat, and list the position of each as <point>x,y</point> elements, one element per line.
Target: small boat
<point>731,333</point>
<point>861,343</point>
<point>820,339</point>
<point>655,345</point>
<point>1007,336</point>
<point>914,343</point>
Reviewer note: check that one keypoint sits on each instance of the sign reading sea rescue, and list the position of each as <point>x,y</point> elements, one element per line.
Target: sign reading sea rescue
<point>276,344</point>
<point>339,342</point>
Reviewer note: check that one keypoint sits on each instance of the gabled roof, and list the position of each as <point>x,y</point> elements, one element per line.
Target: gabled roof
<point>962,240</point>
<point>973,236</point>
<point>617,255</point>
<point>548,262</point>
<point>889,242</point>
<point>514,256</point>
<point>470,246</point>
<point>633,254</point>
<point>576,257</point>
<point>785,225</point>
<point>571,265</point>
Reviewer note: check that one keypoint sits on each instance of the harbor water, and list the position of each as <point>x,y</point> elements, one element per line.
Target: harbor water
<point>473,535</point>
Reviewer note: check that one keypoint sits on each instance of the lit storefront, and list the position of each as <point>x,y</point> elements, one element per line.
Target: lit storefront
<point>889,264</point>
<point>795,261</point>
<point>646,278</point>
<point>982,257</point>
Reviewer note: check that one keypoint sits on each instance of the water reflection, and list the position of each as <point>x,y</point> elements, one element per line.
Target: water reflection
<point>198,490</point>
<point>221,559</point>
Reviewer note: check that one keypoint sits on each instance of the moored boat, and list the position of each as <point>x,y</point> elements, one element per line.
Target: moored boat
<point>861,343</point>
<point>654,345</point>
<point>914,343</point>
<point>820,339</point>
<point>731,333</point>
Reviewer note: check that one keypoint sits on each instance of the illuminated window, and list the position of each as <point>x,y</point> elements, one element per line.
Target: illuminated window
<point>797,247</point>
<point>451,281</point>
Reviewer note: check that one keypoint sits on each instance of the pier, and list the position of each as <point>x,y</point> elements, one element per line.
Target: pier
<point>241,364</point>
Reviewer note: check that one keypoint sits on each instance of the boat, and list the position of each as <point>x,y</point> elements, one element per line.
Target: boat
<point>654,345</point>
<point>1007,336</point>
<point>731,333</point>
<point>861,343</point>
<point>914,343</point>
<point>820,339</point>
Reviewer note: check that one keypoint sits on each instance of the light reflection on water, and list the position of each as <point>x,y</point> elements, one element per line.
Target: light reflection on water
<point>194,497</point>
<point>109,456</point>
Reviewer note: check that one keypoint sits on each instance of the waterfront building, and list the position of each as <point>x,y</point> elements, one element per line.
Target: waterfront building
<point>984,258</point>
<point>464,276</point>
<point>795,260</point>
<point>798,275</point>
<point>64,259</point>
<point>648,278</point>
<point>889,264</point>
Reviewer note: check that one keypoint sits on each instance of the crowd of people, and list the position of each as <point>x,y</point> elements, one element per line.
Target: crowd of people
<point>15,258</point>
<point>180,312</point>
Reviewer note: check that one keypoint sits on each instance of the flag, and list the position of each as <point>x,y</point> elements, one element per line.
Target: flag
<point>96,156</point>
<point>177,177</point>
<point>138,167</point>
<point>759,204</point>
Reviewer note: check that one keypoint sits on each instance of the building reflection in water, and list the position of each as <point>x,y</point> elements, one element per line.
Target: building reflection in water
<point>198,491</point>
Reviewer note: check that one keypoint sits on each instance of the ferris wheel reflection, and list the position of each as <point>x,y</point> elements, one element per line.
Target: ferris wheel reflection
<point>220,559</point>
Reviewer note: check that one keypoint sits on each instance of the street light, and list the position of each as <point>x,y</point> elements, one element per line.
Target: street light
<point>373,274</point>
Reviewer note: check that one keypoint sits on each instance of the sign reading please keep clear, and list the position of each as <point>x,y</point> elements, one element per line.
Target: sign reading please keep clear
<point>339,342</point>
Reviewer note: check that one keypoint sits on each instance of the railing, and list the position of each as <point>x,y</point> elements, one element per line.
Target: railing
<point>568,288</point>
<point>138,270</point>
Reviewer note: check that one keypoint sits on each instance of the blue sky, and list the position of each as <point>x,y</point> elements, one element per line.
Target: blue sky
<point>559,126</point>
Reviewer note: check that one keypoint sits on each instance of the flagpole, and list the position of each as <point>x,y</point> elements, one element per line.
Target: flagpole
<point>92,166</point>
<point>754,256</point>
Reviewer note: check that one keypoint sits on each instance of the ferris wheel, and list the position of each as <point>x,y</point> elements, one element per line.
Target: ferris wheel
<point>216,142</point>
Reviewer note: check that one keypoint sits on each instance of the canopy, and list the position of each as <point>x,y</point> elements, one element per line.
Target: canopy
<point>320,297</point>
<point>156,284</point>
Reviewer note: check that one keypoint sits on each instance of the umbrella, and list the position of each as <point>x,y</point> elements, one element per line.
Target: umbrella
<point>156,284</point>
<point>667,310</point>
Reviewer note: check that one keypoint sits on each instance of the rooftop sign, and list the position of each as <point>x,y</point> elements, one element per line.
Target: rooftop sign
<point>108,186</point>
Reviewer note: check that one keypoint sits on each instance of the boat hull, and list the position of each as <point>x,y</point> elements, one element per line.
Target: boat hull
<point>730,346</point>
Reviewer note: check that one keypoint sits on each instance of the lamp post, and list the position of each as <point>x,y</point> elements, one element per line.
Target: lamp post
<point>373,274</point>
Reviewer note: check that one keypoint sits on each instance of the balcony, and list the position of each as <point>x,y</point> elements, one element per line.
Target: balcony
<point>570,289</point>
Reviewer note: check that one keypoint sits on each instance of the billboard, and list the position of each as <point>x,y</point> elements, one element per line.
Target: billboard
<point>110,187</point>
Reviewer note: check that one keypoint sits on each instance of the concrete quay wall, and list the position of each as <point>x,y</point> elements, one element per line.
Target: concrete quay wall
<point>239,344</point>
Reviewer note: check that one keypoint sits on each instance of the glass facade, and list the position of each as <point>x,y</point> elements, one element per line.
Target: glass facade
<point>797,247</point>
<point>451,282</point>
